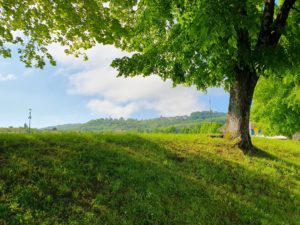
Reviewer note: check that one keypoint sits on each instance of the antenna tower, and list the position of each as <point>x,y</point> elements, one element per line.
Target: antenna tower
<point>29,121</point>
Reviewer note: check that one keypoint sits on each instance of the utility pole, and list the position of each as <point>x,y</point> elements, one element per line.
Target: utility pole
<point>29,120</point>
<point>210,112</point>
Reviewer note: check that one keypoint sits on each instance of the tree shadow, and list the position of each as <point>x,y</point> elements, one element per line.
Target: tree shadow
<point>260,153</point>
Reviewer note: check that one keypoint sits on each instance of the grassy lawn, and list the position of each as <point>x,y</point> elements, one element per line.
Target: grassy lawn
<point>118,179</point>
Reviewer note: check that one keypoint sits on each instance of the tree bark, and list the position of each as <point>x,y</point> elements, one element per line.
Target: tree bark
<point>241,94</point>
<point>241,91</point>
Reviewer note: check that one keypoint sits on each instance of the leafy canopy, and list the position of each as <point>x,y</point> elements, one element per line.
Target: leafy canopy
<point>277,105</point>
<point>189,41</point>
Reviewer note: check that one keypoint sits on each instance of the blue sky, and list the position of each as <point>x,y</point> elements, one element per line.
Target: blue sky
<point>76,91</point>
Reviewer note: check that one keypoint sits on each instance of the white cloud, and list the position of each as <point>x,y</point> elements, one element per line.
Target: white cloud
<point>143,92</point>
<point>178,102</point>
<point>7,77</point>
<point>104,82</point>
<point>122,97</point>
<point>108,108</point>
<point>99,56</point>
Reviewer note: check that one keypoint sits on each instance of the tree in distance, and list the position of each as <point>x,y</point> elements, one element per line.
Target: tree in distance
<point>206,43</point>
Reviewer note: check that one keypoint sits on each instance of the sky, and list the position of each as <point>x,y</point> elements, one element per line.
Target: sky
<point>76,91</point>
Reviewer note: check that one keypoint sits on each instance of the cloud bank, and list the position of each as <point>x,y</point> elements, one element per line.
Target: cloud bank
<point>112,96</point>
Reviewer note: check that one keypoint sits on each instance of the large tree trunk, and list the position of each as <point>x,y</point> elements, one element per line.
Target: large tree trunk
<point>241,94</point>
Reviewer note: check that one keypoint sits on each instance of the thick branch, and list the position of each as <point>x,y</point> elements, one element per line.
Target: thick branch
<point>243,38</point>
<point>267,20</point>
<point>296,9</point>
<point>280,21</point>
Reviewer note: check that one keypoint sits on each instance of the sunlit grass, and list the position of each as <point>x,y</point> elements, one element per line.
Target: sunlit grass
<point>82,178</point>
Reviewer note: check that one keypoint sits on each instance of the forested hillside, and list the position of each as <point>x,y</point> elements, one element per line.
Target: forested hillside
<point>197,122</point>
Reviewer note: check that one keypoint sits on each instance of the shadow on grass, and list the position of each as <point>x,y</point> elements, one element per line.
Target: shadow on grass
<point>259,153</point>
<point>127,179</point>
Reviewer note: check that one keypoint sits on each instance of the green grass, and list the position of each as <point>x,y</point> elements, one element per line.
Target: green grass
<point>70,178</point>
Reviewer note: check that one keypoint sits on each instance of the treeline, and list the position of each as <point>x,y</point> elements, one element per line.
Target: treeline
<point>203,128</point>
<point>197,122</point>
<point>16,130</point>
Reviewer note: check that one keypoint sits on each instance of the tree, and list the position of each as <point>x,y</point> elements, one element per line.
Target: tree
<point>228,43</point>
<point>277,105</point>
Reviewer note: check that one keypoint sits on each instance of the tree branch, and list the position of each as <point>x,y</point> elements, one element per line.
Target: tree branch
<point>280,22</point>
<point>267,20</point>
<point>296,9</point>
<point>243,39</point>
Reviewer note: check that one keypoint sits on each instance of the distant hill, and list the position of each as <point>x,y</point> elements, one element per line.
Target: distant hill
<point>184,124</point>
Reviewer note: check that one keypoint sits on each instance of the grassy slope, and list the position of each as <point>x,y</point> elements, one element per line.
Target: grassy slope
<point>146,179</point>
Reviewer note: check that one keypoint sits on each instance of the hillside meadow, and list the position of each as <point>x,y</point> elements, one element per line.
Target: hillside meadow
<point>139,179</point>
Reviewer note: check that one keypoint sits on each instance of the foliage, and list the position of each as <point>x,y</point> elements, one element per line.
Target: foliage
<point>201,128</point>
<point>16,130</point>
<point>197,122</point>
<point>277,105</point>
<point>203,42</point>
<point>191,42</point>
<point>71,178</point>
